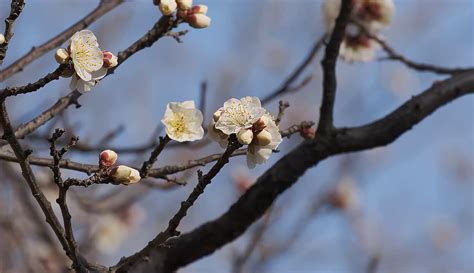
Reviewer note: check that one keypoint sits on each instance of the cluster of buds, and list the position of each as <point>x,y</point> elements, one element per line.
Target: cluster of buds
<point>2,39</point>
<point>195,16</point>
<point>257,134</point>
<point>120,174</point>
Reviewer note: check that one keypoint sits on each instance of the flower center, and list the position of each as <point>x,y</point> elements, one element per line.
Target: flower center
<point>177,124</point>
<point>238,114</point>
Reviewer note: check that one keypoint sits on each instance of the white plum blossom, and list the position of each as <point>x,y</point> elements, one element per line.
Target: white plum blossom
<point>252,125</point>
<point>261,149</point>
<point>85,54</point>
<point>239,114</point>
<point>183,121</point>
<point>90,63</point>
<point>374,15</point>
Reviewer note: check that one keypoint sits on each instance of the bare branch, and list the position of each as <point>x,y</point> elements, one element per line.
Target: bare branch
<point>32,87</point>
<point>154,156</point>
<point>207,238</point>
<point>329,69</point>
<point>203,181</point>
<point>15,10</point>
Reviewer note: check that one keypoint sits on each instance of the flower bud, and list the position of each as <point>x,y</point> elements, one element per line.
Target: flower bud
<point>308,132</point>
<point>217,114</point>
<point>261,123</point>
<point>2,39</point>
<point>184,4</point>
<point>167,7</point>
<point>198,20</point>
<point>201,9</point>
<point>61,56</point>
<point>107,158</point>
<point>245,136</point>
<point>110,60</point>
<point>125,175</point>
<point>264,138</point>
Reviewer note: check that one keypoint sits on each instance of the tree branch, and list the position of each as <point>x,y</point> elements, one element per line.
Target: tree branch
<point>329,68</point>
<point>15,10</point>
<point>209,237</point>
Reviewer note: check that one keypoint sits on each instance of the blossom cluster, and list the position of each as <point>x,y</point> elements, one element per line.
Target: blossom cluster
<point>373,15</point>
<point>253,125</point>
<point>89,62</point>
<point>195,16</point>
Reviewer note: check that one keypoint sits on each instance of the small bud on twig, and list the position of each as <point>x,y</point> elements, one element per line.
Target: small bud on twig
<point>61,56</point>
<point>125,175</point>
<point>107,158</point>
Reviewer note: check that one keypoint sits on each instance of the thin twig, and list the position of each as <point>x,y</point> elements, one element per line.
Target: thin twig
<point>329,69</point>
<point>154,156</point>
<point>282,105</point>
<point>203,181</point>
<point>16,8</point>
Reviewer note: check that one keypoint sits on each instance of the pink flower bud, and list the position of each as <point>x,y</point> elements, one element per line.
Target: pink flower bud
<point>110,60</point>
<point>125,175</point>
<point>308,132</point>
<point>107,158</point>
<point>198,20</point>
<point>201,9</point>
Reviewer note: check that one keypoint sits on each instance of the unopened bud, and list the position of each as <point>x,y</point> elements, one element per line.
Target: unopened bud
<point>2,39</point>
<point>264,138</point>
<point>344,196</point>
<point>110,60</point>
<point>217,114</point>
<point>308,132</point>
<point>198,20</point>
<point>167,7</point>
<point>184,4</point>
<point>107,158</point>
<point>201,9</point>
<point>61,56</point>
<point>125,175</point>
<point>261,123</point>
<point>245,136</point>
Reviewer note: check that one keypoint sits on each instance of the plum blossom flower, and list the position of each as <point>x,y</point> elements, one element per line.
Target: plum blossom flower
<point>85,54</point>
<point>267,137</point>
<point>239,114</point>
<point>90,63</point>
<point>251,123</point>
<point>183,121</point>
<point>373,15</point>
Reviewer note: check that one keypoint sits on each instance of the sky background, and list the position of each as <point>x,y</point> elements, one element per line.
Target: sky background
<point>409,191</point>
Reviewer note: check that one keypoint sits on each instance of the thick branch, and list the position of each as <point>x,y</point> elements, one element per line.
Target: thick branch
<point>252,205</point>
<point>329,68</point>
<point>38,51</point>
